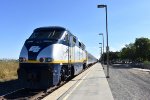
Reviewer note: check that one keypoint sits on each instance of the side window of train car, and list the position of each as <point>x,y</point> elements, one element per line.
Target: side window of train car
<point>74,40</point>
<point>79,44</point>
<point>83,47</point>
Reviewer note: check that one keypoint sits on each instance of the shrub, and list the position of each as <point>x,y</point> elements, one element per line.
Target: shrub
<point>147,64</point>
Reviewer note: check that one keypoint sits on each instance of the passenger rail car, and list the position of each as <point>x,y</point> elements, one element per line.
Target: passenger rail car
<point>91,59</point>
<point>50,55</point>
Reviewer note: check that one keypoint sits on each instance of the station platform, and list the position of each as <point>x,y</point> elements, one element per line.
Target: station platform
<point>89,85</point>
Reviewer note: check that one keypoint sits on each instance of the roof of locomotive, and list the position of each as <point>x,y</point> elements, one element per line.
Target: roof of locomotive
<point>50,28</point>
<point>57,28</point>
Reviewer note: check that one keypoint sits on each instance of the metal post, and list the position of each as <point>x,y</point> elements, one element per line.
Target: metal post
<point>107,47</point>
<point>103,47</point>
<point>101,51</point>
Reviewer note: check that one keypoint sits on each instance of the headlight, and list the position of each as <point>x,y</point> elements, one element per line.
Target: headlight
<point>46,59</point>
<point>22,59</point>
<point>41,59</point>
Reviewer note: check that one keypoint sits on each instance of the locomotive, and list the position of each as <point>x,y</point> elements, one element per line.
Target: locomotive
<point>51,55</point>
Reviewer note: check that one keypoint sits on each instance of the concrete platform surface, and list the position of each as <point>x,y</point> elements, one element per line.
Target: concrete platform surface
<point>90,85</point>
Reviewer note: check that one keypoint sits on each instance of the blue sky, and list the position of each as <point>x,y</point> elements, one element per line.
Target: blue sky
<point>127,20</point>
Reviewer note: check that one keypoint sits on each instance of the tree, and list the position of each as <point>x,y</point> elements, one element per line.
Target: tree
<point>128,52</point>
<point>113,56</point>
<point>137,51</point>
<point>142,46</point>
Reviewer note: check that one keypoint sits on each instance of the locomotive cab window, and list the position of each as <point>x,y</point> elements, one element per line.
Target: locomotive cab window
<point>66,38</point>
<point>46,34</point>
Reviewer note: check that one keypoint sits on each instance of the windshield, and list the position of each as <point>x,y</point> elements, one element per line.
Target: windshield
<point>47,34</point>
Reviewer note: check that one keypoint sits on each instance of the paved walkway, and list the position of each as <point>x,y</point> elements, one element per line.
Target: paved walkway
<point>90,85</point>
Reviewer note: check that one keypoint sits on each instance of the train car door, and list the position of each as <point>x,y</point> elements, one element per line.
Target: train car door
<point>73,49</point>
<point>72,52</point>
<point>71,46</point>
<point>69,50</point>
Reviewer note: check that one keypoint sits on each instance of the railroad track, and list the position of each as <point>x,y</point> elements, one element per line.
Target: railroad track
<point>27,94</point>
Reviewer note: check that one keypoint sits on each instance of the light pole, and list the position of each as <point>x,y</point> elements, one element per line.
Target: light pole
<point>103,46</point>
<point>101,50</point>
<point>107,47</point>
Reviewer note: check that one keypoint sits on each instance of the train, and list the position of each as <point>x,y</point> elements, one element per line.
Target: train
<point>51,55</point>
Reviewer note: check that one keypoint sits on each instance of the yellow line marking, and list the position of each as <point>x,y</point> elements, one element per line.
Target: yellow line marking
<point>66,97</point>
<point>55,61</point>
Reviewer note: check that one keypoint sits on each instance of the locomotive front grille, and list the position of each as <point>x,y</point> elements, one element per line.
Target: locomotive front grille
<point>36,75</point>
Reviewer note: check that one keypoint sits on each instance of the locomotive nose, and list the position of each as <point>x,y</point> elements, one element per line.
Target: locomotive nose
<point>32,77</point>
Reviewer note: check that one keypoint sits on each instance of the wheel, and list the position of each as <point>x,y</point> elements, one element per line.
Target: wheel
<point>72,72</point>
<point>62,74</point>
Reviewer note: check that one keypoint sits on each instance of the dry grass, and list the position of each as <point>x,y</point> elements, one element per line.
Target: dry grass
<point>8,70</point>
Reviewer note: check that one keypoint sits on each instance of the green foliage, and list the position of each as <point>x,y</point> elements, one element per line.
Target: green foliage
<point>113,56</point>
<point>138,51</point>
<point>147,64</point>
<point>142,48</point>
<point>128,52</point>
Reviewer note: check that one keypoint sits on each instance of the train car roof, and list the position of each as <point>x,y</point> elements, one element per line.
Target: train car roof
<point>89,54</point>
